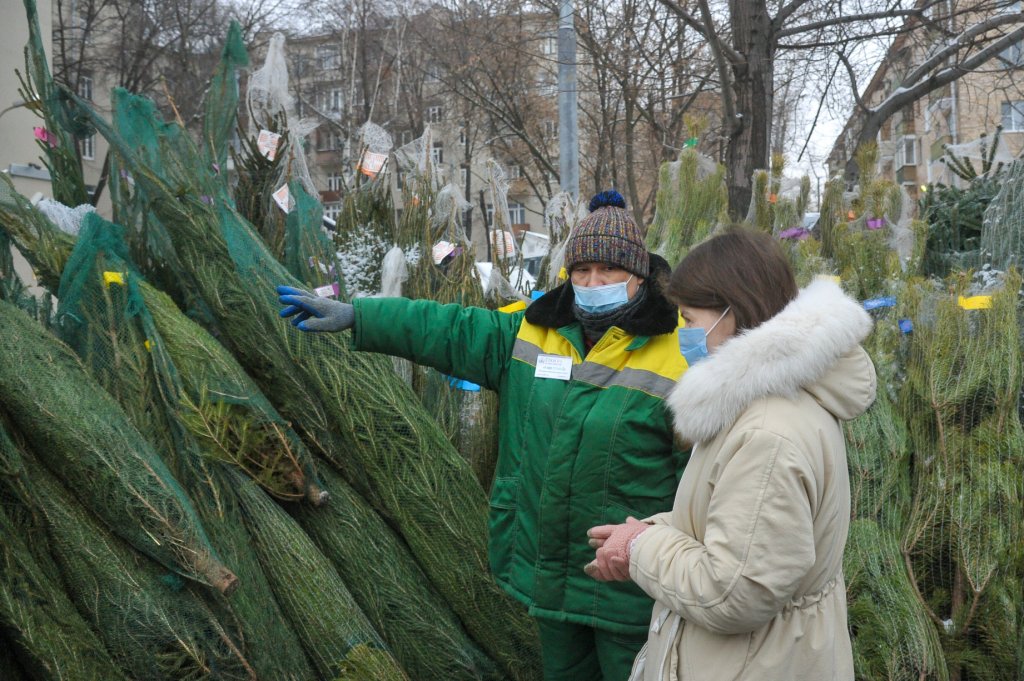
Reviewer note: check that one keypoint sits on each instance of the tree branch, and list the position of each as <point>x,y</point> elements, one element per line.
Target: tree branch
<point>853,83</point>
<point>706,29</point>
<point>786,12</point>
<point>964,40</point>
<point>849,19</point>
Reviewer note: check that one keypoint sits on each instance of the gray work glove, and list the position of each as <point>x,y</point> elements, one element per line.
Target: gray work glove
<point>311,313</point>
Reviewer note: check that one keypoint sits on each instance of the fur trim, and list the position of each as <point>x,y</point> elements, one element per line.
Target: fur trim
<point>794,349</point>
<point>654,317</point>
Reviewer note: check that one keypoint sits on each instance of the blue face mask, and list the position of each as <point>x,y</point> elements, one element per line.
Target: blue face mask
<point>693,341</point>
<point>594,299</point>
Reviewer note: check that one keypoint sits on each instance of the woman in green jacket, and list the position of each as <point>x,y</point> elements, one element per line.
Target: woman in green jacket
<point>584,437</point>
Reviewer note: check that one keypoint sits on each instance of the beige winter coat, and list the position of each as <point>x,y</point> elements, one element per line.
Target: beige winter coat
<point>746,570</point>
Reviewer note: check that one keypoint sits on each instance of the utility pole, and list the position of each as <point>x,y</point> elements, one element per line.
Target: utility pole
<point>568,123</point>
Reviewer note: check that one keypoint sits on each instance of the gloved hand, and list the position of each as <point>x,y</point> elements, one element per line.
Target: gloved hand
<point>612,543</point>
<point>312,313</point>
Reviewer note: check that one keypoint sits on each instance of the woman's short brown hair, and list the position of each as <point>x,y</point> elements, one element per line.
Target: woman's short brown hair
<point>741,269</point>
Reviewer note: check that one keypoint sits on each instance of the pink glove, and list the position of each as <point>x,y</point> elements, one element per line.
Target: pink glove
<point>613,542</point>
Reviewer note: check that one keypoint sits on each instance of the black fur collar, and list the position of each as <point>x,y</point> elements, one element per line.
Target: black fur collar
<point>654,317</point>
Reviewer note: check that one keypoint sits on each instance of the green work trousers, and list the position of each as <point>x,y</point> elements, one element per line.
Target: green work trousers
<point>573,652</point>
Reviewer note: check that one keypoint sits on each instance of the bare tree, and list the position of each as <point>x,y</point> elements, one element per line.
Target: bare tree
<point>162,49</point>
<point>748,39</point>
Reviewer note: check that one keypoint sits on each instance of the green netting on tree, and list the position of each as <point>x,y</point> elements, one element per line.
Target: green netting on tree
<point>1002,232</point>
<point>308,252</point>
<point>208,404</point>
<point>117,320</point>
<point>152,623</point>
<point>85,437</point>
<point>892,635</point>
<point>268,640</point>
<point>313,596</point>
<point>375,432</point>
<point>960,401</point>
<point>391,588</point>
<point>42,625</point>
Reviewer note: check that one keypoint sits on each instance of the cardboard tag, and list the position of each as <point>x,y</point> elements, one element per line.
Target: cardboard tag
<point>283,199</point>
<point>372,163</point>
<point>326,291</point>
<point>267,143</point>
<point>554,366</point>
<point>441,250</point>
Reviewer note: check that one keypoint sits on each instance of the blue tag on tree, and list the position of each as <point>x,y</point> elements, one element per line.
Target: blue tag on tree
<point>885,301</point>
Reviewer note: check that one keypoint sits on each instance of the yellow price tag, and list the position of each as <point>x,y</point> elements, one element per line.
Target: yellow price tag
<point>975,302</point>
<point>113,278</point>
<point>513,307</point>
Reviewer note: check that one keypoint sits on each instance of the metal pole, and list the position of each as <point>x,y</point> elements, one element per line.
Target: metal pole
<point>568,124</point>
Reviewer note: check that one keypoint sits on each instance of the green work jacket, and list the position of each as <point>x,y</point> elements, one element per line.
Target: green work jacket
<point>573,453</point>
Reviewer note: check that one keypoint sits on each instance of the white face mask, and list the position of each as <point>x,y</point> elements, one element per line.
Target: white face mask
<point>604,298</point>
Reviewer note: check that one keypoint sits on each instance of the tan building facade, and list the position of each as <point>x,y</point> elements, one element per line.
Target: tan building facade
<point>964,114</point>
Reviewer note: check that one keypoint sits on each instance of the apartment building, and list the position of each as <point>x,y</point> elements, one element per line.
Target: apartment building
<point>912,142</point>
<point>410,96</point>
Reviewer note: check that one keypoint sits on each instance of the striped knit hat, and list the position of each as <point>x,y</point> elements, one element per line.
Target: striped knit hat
<point>608,235</point>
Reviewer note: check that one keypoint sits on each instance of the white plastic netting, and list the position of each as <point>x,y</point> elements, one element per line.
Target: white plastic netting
<point>981,150</point>
<point>561,216</point>
<point>269,98</point>
<point>67,219</point>
<point>1002,232</point>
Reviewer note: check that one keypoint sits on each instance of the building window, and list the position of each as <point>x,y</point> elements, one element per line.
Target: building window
<point>85,88</point>
<point>515,171</point>
<point>463,176</point>
<point>462,136</point>
<point>516,213</point>
<point>328,57</point>
<point>434,114</point>
<point>1013,56</point>
<point>335,182</point>
<point>906,151</point>
<point>331,100</point>
<point>1013,116</point>
<point>432,74</point>
<point>549,45</point>
<point>490,215</point>
<point>89,147</point>
<point>437,153</point>
<point>550,128</point>
<point>329,140</point>
<point>332,210</point>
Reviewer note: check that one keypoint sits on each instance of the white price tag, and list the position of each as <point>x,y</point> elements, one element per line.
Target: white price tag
<point>283,198</point>
<point>554,366</point>
<point>325,291</point>
<point>441,250</point>
<point>267,143</point>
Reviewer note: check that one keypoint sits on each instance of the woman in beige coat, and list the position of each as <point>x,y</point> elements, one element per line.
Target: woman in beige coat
<point>746,570</point>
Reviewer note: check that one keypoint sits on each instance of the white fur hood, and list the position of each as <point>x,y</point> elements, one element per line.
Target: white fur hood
<point>812,344</point>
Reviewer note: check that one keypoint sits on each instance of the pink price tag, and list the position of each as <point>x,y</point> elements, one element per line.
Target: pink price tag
<point>267,142</point>
<point>441,250</point>
<point>327,291</point>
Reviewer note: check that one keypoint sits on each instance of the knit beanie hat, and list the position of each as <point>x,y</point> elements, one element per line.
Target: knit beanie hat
<point>608,235</point>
